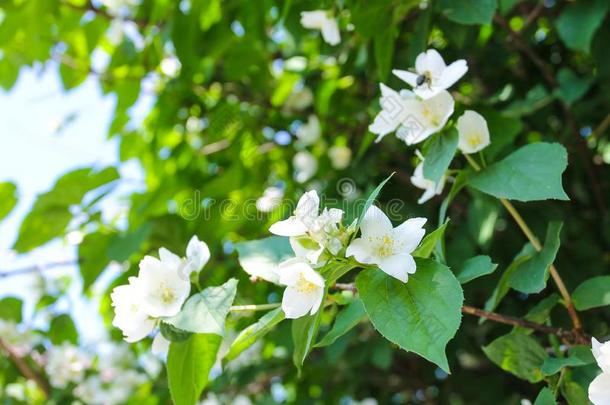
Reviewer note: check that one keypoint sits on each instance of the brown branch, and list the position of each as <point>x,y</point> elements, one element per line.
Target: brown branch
<point>601,128</point>
<point>25,370</point>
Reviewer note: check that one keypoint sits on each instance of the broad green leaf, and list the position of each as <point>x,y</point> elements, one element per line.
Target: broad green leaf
<point>541,312</point>
<point>475,267</point>
<point>530,276</point>
<point>593,293</point>
<point>545,397</point>
<point>524,175</point>
<point>172,333</point>
<point>260,258</point>
<point>428,244</point>
<point>304,335</point>
<point>93,257</point>
<point>347,319</point>
<point>206,311</point>
<point>371,199</point>
<point>439,155</point>
<point>421,315</point>
<point>50,215</point>
<point>579,21</point>
<point>469,11</point>
<point>62,329</point>
<point>252,333</point>
<point>8,198</point>
<point>574,393</point>
<point>121,247</point>
<point>578,356</point>
<point>11,309</point>
<point>188,366</point>
<point>572,87</point>
<point>518,354</point>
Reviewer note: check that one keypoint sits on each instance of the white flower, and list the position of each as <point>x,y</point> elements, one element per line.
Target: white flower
<point>323,233</point>
<point>431,188</point>
<point>601,352</point>
<point>160,345</point>
<point>170,66</point>
<point>323,21</point>
<point>309,132</point>
<point>270,200</point>
<point>66,364</point>
<point>473,132</point>
<point>304,288</point>
<point>305,166</point>
<point>599,390</point>
<point>388,247</point>
<point>432,75</point>
<point>197,255</point>
<point>305,213</point>
<point>163,284</point>
<point>128,313</point>
<point>395,109</point>
<point>340,157</point>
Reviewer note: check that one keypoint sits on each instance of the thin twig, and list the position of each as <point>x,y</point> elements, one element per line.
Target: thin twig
<point>24,369</point>
<point>601,128</point>
<point>37,268</point>
<point>253,307</point>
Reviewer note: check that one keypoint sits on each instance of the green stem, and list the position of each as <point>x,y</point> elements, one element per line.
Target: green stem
<point>253,307</point>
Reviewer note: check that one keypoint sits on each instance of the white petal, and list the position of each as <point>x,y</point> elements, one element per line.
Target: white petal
<point>433,114</point>
<point>409,234</point>
<point>330,32</point>
<point>169,259</point>
<point>163,287</point>
<point>160,345</point>
<point>599,390</point>
<point>288,227</point>
<point>452,74</point>
<point>296,304</point>
<point>317,302</point>
<point>197,254</point>
<point>313,19</point>
<point>473,132</point>
<point>312,276</point>
<point>430,61</point>
<point>425,92</point>
<point>361,250</point>
<point>427,195</point>
<point>398,266</point>
<point>406,76</point>
<point>290,270</point>
<point>308,206</point>
<point>375,223</point>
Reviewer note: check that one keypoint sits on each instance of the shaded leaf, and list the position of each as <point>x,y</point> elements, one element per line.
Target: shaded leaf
<point>475,267</point>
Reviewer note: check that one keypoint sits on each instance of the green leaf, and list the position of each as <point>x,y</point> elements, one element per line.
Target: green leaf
<point>475,267</point>
<point>524,176</point>
<point>304,334</point>
<point>172,333</point>
<point>502,130</point>
<point>530,276</point>
<point>346,320</point>
<point>421,315</point>
<point>593,293</point>
<point>545,397</point>
<point>206,311</point>
<point>518,354</point>
<point>383,43</point>
<point>439,155</point>
<point>541,312</point>
<point>92,257</point>
<point>8,198</point>
<point>188,366</point>
<point>50,215</point>
<point>11,309</point>
<point>572,87</point>
<point>578,356</point>
<point>579,21</point>
<point>426,247</point>
<point>62,329</point>
<point>121,247</point>
<point>260,258</point>
<point>574,393</point>
<point>371,199</point>
<point>469,11</point>
<point>252,333</point>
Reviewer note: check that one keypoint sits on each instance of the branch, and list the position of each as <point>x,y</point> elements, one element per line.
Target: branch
<point>37,268</point>
<point>25,370</point>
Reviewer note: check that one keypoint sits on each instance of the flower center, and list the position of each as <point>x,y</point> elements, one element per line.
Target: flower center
<point>305,286</point>
<point>475,139</point>
<point>386,247</point>
<point>166,294</point>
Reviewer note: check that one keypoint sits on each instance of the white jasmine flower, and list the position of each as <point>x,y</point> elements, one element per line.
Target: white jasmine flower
<point>601,352</point>
<point>270,200</point>
<point>197,255</point>
<point>395,109</point>
<point>340,157</point>
<point>473,132</point>
<point>66,364</point>
<point>163,286</point>
<point>305,213</point>
<point>599,390</point>
<point>322,20</point>
<point>305,166</point>
<point>431,188</point>
<point>160,345</point>
<point>323,233</point>
<point>388,247</point>
<point>304,288</point>
<point>428,117</point>
<point>309,132</point>
<point>432,75</point>
<point>128,313</point>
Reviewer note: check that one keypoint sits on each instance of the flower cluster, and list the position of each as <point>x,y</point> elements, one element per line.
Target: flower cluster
<point>160,289</point>
<point>319,237</point>
<point>415,115</point>
<point>66,364</point>
<point>599,390</point>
